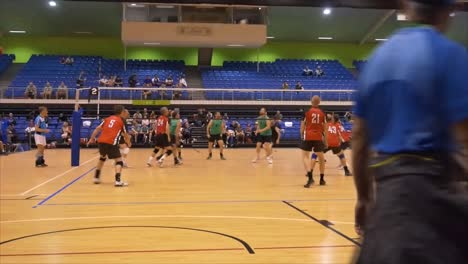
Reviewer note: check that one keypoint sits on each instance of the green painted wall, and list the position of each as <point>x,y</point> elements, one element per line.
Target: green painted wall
<point>343,52</point>
<point>25,46</point>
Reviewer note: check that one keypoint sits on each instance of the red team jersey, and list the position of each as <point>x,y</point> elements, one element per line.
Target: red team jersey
<point>314,122</point>
<point>161,125</point>
<point>333,135</point>
<point>112,129</point>
<point>345,134</point>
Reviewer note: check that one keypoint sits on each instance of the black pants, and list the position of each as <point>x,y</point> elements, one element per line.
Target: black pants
<point>417,218</point>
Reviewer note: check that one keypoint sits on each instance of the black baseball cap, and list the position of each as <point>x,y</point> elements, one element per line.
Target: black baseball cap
<point>436,2</point>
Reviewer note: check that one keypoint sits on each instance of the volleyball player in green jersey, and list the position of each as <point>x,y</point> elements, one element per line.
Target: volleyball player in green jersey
<point>214,132</point>
<point>174,128</point>
<point>264,134</point>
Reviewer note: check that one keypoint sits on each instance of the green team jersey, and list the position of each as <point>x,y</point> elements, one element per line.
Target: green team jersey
<point>262,123</point>
<point>173,126</point>
<point>216,127</point>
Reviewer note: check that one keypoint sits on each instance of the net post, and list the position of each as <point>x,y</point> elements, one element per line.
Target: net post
<point>76,129</point>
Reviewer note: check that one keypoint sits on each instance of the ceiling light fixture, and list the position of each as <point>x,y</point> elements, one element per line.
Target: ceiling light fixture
<point>270,37</point>
<point>452,14</point>
<point>325,38</point>
<point>17,31</point>
<point>169,6</point>
<point>52,3</point>
<point>236,45</point>
<point>151,43</point>
<point>327,11</point>
<point>132,4</point>
<point>83,32</point>
<point>381,39</point>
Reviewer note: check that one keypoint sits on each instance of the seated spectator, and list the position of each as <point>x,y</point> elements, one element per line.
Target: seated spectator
<point>145,112</point>
<point>133,132</point>
<point>111,81</point>
<point>147,83</point>
<point>240,136</point>
<point>81,80</point>
<point>169,81</point>
<point>31,91</point>
<point>248,133</point>
<point>62,60</point>
<point>2,149</point>
<point>145,120</point>
<point>132,80</point>
<point>118,81</point>
<point>66,133</point>
<point>11,134</point>
<point>30,129</point>
<point>278,115</point>
<point>62,91</point>
<point>69,61</point>
<point>47,93</point>
<point>11,119</point>
<point>144,132</point>
<point>285,86</point>
<point>103,81</point>
<point>62,118</point>
<point>182,82</point>
<point>137,116</point>
<point>307,71</point>
<point>299,86</point>
<point>155,81</point>
<point>319,72</point>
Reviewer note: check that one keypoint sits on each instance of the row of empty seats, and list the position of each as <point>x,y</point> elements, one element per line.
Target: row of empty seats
<point>5,61</point>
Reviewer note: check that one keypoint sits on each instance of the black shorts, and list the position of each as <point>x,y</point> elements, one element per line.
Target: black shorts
<point>335,150</point>
<point>345,145</point>
<point>315,145</point>
<point>214,138</point>
<point>263,139</point>
<point>274,136</point>
<point>108,150</point>
<point>162,141</point>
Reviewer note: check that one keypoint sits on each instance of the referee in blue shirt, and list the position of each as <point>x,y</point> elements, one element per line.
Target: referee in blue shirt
<point>411,117</point>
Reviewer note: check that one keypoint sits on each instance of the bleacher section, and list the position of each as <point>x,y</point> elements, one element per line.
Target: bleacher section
<point>359,65</point>
<point>244,75</point>
<point>5,61</point>
<point>43,68</point>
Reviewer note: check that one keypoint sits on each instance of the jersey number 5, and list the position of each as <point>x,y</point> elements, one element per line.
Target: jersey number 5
<point>111,123</point>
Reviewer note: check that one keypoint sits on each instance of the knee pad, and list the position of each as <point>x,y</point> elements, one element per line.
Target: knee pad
<point>102,158</point>
<point>155,151</point>
<point>119,163</point>
<point>314,156</point>
<point>169,152</point>
<point>341,156</point>
<point>125,151</point>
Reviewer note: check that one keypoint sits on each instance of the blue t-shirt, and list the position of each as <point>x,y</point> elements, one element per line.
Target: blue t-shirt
<point>412,90</point>
<point>41,123</point>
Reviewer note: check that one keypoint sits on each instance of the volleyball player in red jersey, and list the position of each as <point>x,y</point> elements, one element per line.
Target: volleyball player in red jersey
<point>111,130</point>
<point>163,138</point>
<point>314,132</point>
<point>334,140</point>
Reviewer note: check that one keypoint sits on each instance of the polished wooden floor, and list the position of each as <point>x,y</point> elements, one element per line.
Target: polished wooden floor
<point>212,211</point>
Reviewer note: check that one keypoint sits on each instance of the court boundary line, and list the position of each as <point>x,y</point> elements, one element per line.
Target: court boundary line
<point>63,188</point>
<point>152,216</point>
<point>196,202</point>
<point>322,224</point>
<point>56,177</point>
<point>247,247</point>
<point>172,250</point>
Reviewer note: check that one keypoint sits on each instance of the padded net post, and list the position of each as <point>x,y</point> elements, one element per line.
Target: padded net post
<point>76,129</point>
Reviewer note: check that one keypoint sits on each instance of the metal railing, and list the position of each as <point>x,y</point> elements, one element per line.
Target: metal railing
<point>235,94</point>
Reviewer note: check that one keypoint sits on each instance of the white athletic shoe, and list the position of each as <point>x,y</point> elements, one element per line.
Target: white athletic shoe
<point>120,184</point>
<point>270,160</point>
<point>160,163</point>
<point>97,180</point>
<point>255,160</point>
<point>125,165</point>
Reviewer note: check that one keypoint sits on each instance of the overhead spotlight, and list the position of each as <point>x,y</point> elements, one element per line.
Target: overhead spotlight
<point>259,8</point>
<point>452,14</point>
<point>327,11</point>
<point>52,3</point>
